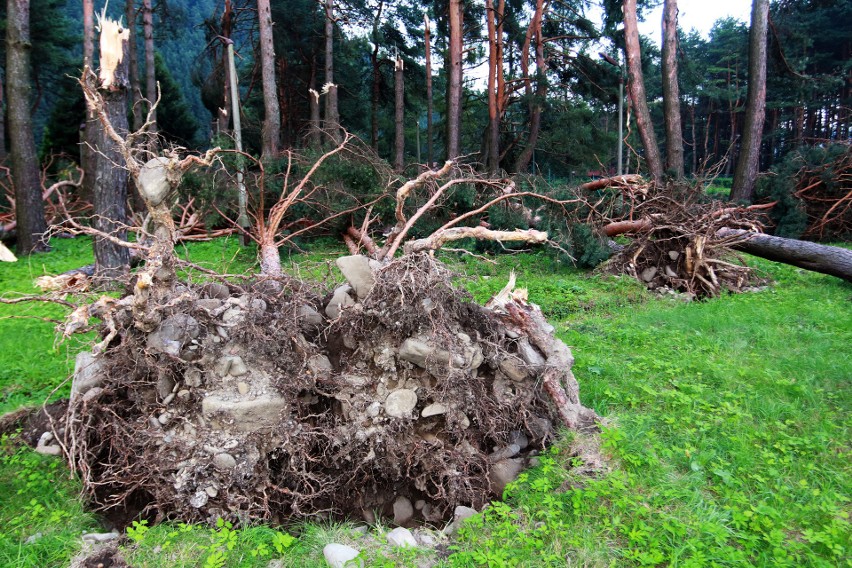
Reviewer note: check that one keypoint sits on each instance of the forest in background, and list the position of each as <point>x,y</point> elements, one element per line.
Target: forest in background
<point>808,86</point>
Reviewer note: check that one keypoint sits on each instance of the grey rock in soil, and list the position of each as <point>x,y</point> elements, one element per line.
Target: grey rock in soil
<point>401,537</point>
<point>101,537</point>
<point>87,373</point>
<point>530,354</point>
<point>45,447</point>
<point>320,366</point>
<point>419,351</point>
<point>243,415</point>
<point>199,499</point>
<point>426,538</point>
<point>165,386</point>
<point>356,269</point>
<point>217,291</point>
<point>433,409</point>
<point>519,439</point>
<point>649,273</point>
<point>209,304</point>
<point>192,376</point>
<point>339,300</point>
<point>152,181</point>
<point>514,368</point>
<point>504,472</point>
<point>224,461</point>
<point>309,318</point>
<point>403,511</point>
<point>172,334</point>
<point>337,555</point>
<point>400,403</point>
<point>459,515</point>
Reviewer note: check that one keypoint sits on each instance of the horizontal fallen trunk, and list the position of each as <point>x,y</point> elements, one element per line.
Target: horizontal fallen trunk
<point>615,181</point>
<point>441,237</point>
<point>825,259</point>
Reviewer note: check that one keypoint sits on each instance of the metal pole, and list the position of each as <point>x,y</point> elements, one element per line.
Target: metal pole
<point>242,219</point>
<point>417,132</point>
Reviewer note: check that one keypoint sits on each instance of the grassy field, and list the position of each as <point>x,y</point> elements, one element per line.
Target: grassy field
<point>727,437</point>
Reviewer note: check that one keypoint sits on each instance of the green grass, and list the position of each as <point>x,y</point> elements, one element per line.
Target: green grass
<point>727,437</point>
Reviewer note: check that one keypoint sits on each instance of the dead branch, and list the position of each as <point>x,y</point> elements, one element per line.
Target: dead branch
<point>437,239</point>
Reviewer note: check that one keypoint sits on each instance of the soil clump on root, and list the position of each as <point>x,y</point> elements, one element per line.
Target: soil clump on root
<point>394,395</point>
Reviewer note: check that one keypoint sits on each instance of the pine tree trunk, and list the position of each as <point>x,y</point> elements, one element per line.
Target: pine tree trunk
<point>110,182</point>
<point>825,259</point>
<point>29,206</point>
<point>430,157</point>
<point>399,115</point>
<point>533,32</point>
<point>636,89</point>
<point>671,94</point>
<point>150,76</point>
<point>2,124</point>
<point>136,109</point>
<point>332,114</point>
<point>492,142</point>
<point>454,83</point>
<point>87,157</point>
<point>748,163</point>
<point>376,80</point>
<point>271,110</point>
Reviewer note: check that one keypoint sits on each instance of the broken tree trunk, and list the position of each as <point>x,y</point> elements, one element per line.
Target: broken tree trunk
<point>825,259</point>
<point>110,178</point>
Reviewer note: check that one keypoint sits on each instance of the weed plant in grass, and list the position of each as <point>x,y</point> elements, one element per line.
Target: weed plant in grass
<point>728,431</point>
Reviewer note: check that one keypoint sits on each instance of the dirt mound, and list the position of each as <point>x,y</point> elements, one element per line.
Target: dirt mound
<point>395,394</point>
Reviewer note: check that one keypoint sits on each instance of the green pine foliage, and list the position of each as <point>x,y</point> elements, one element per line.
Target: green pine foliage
<point>175,120</point>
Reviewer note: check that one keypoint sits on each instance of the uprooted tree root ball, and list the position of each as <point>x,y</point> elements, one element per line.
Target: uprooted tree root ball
<point>394,395</point>
<point>679,244</point>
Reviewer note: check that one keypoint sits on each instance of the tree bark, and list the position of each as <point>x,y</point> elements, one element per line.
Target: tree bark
<point>492,144</point>
<point>399,115</point>
<point>136,109</point>
<point>29,206</point>
<point>150,76</point>
<point>271,110</point>
<point>745,175</point>
<point>314,140</point>
<point>2,124</point>
<point>332,114</point>
<point>671,94</point>
<point>88,32</point>
<point>87,155</point>
<point>454,83</point>
<point>110,178</point>
<point>377,77</point>
<point>825,259</point>
<point>535,101</point>
<point>430,156</point>
<point>636,89</point>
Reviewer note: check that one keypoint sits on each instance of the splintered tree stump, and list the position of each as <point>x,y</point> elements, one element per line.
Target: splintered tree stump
<point>394,395</point>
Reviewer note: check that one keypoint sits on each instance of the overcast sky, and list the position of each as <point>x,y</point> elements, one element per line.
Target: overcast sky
<point>697,14</point>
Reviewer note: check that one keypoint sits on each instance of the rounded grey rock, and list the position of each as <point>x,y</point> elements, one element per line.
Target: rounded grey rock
<point>340,555</point>
<point>224,461</point>
<point>401,537</point>
<point>400,403</point>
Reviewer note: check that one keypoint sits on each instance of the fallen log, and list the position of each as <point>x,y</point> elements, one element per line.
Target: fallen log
<point>825,259</point>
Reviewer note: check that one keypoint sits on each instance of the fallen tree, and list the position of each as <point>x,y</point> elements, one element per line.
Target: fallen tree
<point>825,259</point>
